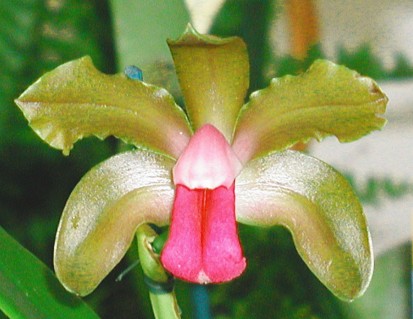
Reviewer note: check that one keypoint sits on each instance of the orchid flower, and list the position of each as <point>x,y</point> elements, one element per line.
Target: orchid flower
<point>203,169</point>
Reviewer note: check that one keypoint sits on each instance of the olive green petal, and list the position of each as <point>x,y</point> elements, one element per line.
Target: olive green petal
<point>103,212</point>
<point>318,206</point>
<point>76,100</point>
<point>326,100</point>
<point>214,76</point>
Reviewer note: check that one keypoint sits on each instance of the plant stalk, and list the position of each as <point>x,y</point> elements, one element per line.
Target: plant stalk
<point>165,306</point>
<point>159,282</point>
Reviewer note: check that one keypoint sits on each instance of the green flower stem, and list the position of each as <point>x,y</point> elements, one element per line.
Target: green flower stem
<point>165,306</point>
<point>160,284</point>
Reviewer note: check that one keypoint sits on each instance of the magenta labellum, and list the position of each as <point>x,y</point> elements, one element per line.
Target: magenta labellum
<point>203,244</point>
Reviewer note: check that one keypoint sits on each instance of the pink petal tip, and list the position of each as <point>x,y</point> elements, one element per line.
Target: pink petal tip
<point>207,162</point>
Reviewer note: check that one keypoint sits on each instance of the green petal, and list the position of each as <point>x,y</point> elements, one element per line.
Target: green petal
<point>213,74</point>
<point>326,100</point>
<point>318,206</point>
<point>76,100</point>
<point>103,212</point>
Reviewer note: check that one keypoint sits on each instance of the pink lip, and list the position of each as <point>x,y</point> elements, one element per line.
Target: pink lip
<point>203,244</point>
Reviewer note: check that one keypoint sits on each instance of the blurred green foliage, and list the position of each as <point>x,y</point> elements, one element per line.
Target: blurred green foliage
<point>35,37</point>
<point>251,20</point>
<point>38,35</point>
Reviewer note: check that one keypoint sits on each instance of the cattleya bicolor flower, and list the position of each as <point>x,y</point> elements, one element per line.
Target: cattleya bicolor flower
<point>203,169</point>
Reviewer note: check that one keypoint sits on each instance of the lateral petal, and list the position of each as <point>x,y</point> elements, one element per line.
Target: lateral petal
<point>101,216</point>
<point>320,209</point>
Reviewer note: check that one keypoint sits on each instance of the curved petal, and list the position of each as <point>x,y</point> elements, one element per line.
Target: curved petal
<point>326,100</point>
<point>318,206</point>
<point>214,78</point>
<point>103,212</point>
<point>76,100</point>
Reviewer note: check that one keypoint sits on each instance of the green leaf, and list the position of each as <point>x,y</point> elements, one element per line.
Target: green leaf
<point>76,100</point>
<point>28,289</point>
<point>213,74</point>
<point>326,100</point>
<point>318,206</point>
<point>101,216</point>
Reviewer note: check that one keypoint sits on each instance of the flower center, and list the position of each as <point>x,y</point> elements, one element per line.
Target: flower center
<point>203,244</point>
<point>207,162</point>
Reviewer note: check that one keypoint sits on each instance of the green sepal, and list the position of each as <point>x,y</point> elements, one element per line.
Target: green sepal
<point>319,207</point>
<point>76,100</point>
<point>103,212</point>
<point>149,260</point>
<point>214,76</point>
<point>326,100</point>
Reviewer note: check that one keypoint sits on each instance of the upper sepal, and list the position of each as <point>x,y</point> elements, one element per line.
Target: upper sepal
<point>214,76</point>
<point>102,213</point>
<point>76,100</point>
<point>318,206</point>
<point>326,100</point>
